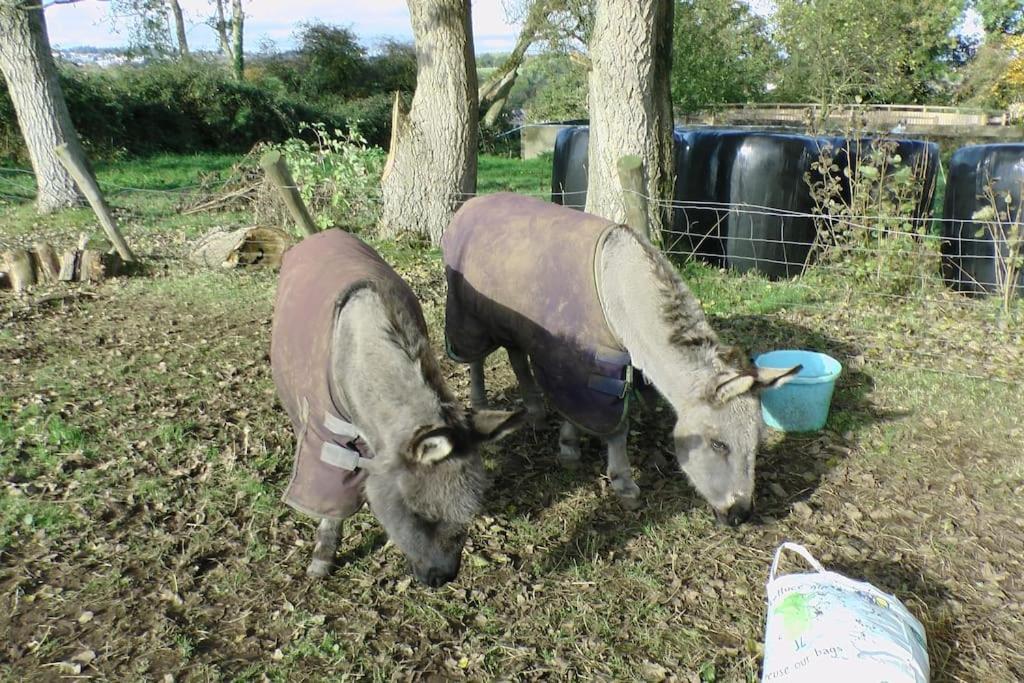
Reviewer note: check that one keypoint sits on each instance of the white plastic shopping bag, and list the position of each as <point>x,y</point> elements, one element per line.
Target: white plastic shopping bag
<point>825,627</point>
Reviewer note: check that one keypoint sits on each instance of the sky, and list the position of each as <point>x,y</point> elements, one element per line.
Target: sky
<point>88,22</point>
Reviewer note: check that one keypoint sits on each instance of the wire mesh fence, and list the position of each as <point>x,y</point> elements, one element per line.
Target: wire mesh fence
<point>892,293</point>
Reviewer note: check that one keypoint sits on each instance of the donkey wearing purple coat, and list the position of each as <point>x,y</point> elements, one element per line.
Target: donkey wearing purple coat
<point>372,416</point>
<point>580,304</point>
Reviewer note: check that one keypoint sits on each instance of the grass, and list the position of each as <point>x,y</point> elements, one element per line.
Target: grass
<point>142,457</point>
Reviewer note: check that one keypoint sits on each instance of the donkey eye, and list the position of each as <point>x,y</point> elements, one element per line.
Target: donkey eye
<point>719,447</point>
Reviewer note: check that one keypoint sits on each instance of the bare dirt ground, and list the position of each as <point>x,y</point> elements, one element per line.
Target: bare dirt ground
<point>142,457</point>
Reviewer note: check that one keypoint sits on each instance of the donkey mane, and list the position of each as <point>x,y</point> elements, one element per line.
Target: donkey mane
<point>410,336</point>
<point>680,309</point>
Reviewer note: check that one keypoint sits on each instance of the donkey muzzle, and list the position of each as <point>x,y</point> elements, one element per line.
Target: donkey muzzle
<point>436,576</point>
<point>737,514</point>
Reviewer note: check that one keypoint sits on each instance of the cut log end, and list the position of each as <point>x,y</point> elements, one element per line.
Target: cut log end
<point>68,266</point>
<point>252,246</point>
<point>21,270</point>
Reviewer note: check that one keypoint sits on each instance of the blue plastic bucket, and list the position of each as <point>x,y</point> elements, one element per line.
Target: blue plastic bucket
<point>800,405</point>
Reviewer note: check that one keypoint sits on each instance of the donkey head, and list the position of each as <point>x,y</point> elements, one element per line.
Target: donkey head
<point>717,438</point>
<point>426,497</point>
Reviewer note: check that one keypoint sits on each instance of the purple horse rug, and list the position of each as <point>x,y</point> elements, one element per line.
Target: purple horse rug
<point>317,278</point>
<point>522,274</point>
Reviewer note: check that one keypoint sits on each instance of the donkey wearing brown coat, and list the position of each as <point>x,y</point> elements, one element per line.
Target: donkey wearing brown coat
<point>372,415</point>
<point>515,277</point>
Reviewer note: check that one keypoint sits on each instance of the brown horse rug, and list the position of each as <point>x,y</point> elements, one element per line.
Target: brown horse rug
<point>317,277</point>
<point>539,261</point>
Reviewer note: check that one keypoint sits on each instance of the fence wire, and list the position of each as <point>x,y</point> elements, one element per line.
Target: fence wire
<point>890,272</point>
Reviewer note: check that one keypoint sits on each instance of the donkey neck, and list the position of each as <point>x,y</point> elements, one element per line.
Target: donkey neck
<point>656,317</point>
<point>383,385</point>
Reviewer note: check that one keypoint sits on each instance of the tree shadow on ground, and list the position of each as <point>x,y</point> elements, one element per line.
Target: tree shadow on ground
<point>795,464</point>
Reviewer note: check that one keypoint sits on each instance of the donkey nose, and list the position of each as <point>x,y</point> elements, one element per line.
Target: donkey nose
<point>436,577</point>
<point>738,513</point>
<point>735,515</point>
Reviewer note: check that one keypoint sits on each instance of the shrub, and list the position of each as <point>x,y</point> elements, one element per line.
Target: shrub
<point>338,175</point>
<point>170,107</point>
<point>869,224</point>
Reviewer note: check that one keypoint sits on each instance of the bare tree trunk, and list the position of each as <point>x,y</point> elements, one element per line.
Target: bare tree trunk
<point>630,103</point>
<point>494,93</point>
<point>220,27</point>
<point>179,28</point>
<point>431,167</point>
<point>31,74</point>
<point>237,55</point>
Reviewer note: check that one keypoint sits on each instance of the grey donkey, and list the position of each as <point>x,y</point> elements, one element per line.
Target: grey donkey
<point>580,304</point>
<point>372,415</point>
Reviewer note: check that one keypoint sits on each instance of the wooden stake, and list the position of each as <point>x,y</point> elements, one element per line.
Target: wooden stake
<point>20,269</point>
<point>68,266</point>
<point>87,184</point>
<point>277,170</point>
<point>46,262</point>
<point>634,199</point>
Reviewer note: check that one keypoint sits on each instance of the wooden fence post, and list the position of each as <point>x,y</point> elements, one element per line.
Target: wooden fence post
<point>277,170</point>
<point>87,184</point>
<point>634,196</point>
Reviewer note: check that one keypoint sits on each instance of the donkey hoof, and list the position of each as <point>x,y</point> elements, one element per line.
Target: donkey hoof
<point>482,404</point>
<point>630,502</point>
<point>569,458</point>
<point>538,419</point>
<point>318,569</point>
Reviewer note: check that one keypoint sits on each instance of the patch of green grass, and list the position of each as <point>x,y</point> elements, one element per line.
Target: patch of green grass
<point>502,174</point>
<point>22,516</point>
<point>724,294</point>
<point>163,171</point>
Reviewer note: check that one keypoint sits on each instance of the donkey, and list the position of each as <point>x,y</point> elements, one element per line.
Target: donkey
<point>578,303</point>
<point>372,415</point>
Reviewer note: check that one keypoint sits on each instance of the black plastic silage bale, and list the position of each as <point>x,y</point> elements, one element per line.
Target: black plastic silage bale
<point>975,252</point>
<point>569,168</point>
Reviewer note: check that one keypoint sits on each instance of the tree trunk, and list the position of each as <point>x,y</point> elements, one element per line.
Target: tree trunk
<point>31,74</point>
<point>431,167</point>
<point>237,54</point>
<point>220,27</point>
<point>179,28</point>
<point>630,104</point>
<point>494,93</point>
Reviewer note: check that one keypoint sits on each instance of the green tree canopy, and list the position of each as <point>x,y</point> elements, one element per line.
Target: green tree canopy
<point>881,50</point>
<point>721,53</point>
<point>1001,16</point>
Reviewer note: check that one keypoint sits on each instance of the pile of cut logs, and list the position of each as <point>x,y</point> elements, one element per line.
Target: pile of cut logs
<point>21,268</point>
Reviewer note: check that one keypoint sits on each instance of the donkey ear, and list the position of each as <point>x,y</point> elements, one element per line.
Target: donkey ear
<point>491,425</point>
<point>731,386</point>
<point>776,377</point>
<point>433,446</point>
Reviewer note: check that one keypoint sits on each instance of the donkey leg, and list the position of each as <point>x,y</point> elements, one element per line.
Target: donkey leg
<point>323,551</point>
<point>477,390</point>
<point>619,471</point>
<point>568,445</point>
<point>533,398</point>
